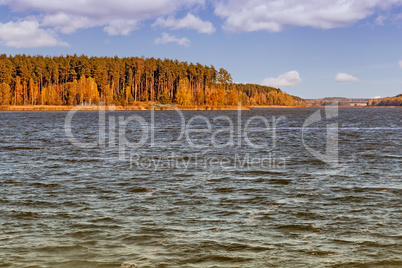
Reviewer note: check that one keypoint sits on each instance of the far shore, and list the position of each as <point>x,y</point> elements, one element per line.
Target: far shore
<point>148,106</point>
<point>139,107</point>
<point>273,106</point>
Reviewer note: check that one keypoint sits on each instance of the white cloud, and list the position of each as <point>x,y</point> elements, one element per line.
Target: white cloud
<point>346,78</point>
<point>277,15</point>
<point>380,20</point>
<point>66,23</point>
<point>27,33</point>
<point>123,27</point>
<point>400,64</point>
<point>188,22</point>
<point>166,38</point>
<point>121,17</point>
<point>100,9</point>
<point>117,16</point>
<point>288,79</point>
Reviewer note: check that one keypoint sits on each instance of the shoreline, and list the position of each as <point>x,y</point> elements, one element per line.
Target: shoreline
<point>147,107</point>
<point>275,106</point>
<point>140,107</point>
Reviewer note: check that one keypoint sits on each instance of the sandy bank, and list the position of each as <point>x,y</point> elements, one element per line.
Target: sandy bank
<point>139,107</point>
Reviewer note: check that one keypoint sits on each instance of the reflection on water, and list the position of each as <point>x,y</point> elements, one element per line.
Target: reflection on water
<point>174,205</point>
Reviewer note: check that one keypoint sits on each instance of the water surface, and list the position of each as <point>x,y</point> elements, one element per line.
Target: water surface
<point>169,204</point>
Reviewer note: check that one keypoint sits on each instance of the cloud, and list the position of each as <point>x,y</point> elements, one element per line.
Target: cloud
<point>101,9</point>
<point>121,27</point>
<point>166,38</point>
<point>188,22</point>
<point>27,33</point>
<point>66,23</point>
<point>278,15</point>
<point>121,17</point>
<point>288,79</point>
<point>380,20</point>
<point>117,16</point>
<point>346,78</point>
<point>400,64</point>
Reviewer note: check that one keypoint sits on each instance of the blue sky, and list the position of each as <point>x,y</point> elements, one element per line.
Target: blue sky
<point>308,48</point>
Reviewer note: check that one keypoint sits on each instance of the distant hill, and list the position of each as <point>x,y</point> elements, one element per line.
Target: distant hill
<point>342,101</point>
<point>388,101</point>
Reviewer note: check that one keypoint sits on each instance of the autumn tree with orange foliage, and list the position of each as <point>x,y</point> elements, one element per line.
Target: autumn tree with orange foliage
<point>18,92</point>
<point>5,94</point>
<point>183,94</point>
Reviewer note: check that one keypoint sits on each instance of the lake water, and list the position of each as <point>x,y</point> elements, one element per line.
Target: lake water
<point>224,197</point>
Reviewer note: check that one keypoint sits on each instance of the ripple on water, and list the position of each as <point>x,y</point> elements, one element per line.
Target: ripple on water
<point>63,206</point>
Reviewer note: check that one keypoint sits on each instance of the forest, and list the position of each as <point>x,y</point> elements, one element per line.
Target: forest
<point>83,80</point>
<point>389,101</point>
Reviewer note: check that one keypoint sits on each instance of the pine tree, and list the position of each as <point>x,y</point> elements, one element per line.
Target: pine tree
<point>18,92</point>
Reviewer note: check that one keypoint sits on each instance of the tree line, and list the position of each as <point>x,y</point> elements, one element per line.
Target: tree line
<point>388,101</point>
<point>83,80</point>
